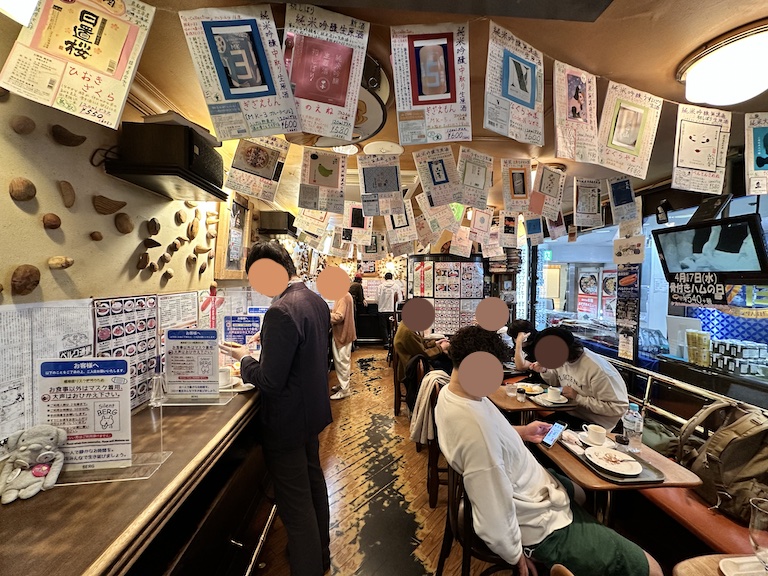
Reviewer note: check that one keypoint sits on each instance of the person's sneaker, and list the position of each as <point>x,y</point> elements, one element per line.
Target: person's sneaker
<point>340,395</point>
<point>335,388</point>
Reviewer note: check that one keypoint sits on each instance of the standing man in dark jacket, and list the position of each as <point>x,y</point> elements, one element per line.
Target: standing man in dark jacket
<point>292,377</point>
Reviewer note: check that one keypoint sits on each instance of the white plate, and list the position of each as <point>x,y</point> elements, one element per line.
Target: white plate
<point>243,388</point>
<point>585,440</point>
<point>744,566</point>
<point>562,400</point>
<point>434,336</point>
<point>613,461</point>
<point>530,388</point>
<point>233,381</point>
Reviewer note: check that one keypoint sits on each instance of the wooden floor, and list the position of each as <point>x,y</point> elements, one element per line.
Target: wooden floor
<point>381,523</point>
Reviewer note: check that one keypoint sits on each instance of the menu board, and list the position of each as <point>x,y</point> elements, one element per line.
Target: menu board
<point>90,399</point>
<point>471,279</point>
<point>628,309</point>
<point>423,279</point>
<point>697,289</point>
<point>447,279</point>
<point>192,364</point>
<point>447,316</point>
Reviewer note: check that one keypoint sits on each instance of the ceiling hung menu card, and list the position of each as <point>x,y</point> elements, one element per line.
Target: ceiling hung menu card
<point>701,144</point>
<point>192,364</point>
<point>431,70</point>
<point>241,71</point>
<point>90,399</point>
<point>127,328</point>
<point>257,167</point>
<point>79,56</point>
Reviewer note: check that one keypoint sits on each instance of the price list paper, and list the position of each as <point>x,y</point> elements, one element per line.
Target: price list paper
<point>516,183</point>
<point>491,247</point>
<point>622,198</point>
<point>324,55</point>
<point>508,228</point>
<point>80,56</point>
<point>628,129</point>
<point>431,73</point>
<point>547,195</point>
<point>90,399</point>
<point>178,310</point>
<point>323,175</point>
<point>701,145</point>
<point>313,221</point>
<point>357,228</point>
<point>575,114</point>
<point>376,250</point>
<point>240,67</point>
<point>586,202</point>
<point>402,227</point>
<point>756,152</point>
<point>192,364</point>
<point>439,218</point>
<point>257,167</point>
<point>475,174</point>
<point>514,88</point>
<point>461,243</point>
<point>380,184</point>
<point>480,225</point>
<point>438,174</point>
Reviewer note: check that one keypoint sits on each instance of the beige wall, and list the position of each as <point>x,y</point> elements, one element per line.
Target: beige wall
<point>105,268</point>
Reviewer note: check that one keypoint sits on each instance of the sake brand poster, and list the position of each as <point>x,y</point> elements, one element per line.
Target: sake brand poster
<point>475,174</point>
<point>80,56</point>
<point>514,88</point>
<point>516,183</point>
<point>438,174</point>
<point>701,145</point>
<point>324,55</point>
<point>431,73</point>
<point>575,113</point>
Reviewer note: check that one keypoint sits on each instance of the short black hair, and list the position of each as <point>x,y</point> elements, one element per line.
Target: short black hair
<point>520,325</point>
<point>274,251</point>
<point>388,276</point>
<point>473,338</point>
<point>575,347</point>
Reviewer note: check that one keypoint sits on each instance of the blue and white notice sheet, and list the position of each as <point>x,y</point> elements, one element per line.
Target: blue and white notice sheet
<point>90,399</point>
<point>192,364</point>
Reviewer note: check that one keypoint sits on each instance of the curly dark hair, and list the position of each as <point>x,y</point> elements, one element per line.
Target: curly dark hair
<point>476,339</point>
<point>274,251</point>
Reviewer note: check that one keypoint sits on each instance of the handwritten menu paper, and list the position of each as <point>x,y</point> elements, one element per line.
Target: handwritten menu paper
<point>516,183</point>
<point>475,174</point>
<point>357,228</point>
<point>376,250</point>
<point>402,227</point>
<point>439,177</point>
<point>514,88</point>
<point>491,247</point>
<point>324,55</point>
<point>756,152</point>
<point>575,113</point>
<point>461,243</point>
<point>380,184</point>
<point>622,198</point>
<point>547,195</point>
<point>15,368</point>
<point>89,398</point>
<point>192,364</point>
<point>313,221</point>
<point>534,230</point>
<point>701,144</point>
<point>241,71</point>
<point>257,166</point>
<point>323,174</point>
<point>508,228</point>
<point>556,228</point>
<point>401,249</point>
<point>480,225</point>
<point>628,129</point>
<point>79,56</point>
<point>431,73</point>
<point>439,218</point>
<point>587,211</point>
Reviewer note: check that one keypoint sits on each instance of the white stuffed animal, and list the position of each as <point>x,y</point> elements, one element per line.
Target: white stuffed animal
<point>34,462</point>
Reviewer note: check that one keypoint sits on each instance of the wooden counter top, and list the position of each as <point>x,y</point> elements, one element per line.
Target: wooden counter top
<point>101,528</point>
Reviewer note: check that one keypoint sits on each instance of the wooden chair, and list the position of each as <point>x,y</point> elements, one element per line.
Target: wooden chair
<point>560,570</point>
<point>458,526</point>
<point>391,356</point>
<point>398,387</point>
<point>436,474</point>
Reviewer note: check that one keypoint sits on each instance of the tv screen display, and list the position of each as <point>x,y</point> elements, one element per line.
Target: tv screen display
<point>732,247</point>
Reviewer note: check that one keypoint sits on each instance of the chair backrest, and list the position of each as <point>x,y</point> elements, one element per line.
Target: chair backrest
<point>560,570</point>
<point>417,366</point>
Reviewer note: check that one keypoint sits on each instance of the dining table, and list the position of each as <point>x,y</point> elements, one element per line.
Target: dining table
<point>526,410</point>
<point>709,565</point>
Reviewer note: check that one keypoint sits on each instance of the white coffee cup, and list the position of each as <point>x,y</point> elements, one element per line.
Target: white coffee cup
<point>554,393</point>
<point>225,376</point>
<point>595,434</point>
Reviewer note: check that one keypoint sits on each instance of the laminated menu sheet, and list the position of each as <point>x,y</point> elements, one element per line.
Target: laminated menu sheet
<point>431,73</point>
<point>257,167</point>
<point>241,71</point>
<point>80,56</point>
<point>701,145</point>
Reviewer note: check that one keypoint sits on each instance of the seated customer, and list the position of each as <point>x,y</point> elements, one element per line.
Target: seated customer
<point>522,333</point>
<point>409,343</point>
<point>587,379</point>
<point>520,510</point>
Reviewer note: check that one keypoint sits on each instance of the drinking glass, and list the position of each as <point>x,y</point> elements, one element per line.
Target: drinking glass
<point>758,529</point>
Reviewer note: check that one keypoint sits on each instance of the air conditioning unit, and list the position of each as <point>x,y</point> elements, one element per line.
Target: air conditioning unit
<point>276,222</point>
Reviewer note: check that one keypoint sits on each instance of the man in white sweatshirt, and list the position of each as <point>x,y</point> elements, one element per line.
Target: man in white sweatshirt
<point>587,379</point>
<point>520,510</point>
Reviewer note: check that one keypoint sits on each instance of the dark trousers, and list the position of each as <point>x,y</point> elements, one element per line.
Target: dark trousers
<point>302,502</point>
<point>384,325</point>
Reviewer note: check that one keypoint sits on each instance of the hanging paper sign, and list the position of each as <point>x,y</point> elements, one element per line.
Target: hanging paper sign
<point>313,221</point>
<point>534,229</point>
<point>628,129</point>
<point>491,247</point>
<point>480,226</point>
<point>516,183</point>
<point>90,399</point>
<point>461,243</point>
<point>401,249</point>
<point>573,233</point>
<point>380,184</point>
<point>633,227</point>
<point>324,55</point>
<point>547,195</point>
<point>402,227</point>
<point>431,73</point>
<point>323,175</point>
<point>622,198</point>
<point>357,227</point>
<point>257,166</point>
<point>701,144</point>
<point>514,88</point>
<point>376,250</point>
<point>424,232</point>
<point>79,57</point>
<point>439,218</point>
<point>508,228</point>
<point>756,152</point>
<point>629,250</point>
<point>475,174</point>
<point>556,228</point>
<point>587,210</point>
<point>575,114</point>
<point>241,72</point>
<point>439,177</point>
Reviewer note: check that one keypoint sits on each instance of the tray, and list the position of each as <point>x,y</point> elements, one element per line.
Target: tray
<point>541,400</point>
<point>649,475</point>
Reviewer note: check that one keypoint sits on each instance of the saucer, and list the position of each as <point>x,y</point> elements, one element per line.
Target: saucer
<point>585,440</point>
<point>562,400</point>
<point>243,387</point>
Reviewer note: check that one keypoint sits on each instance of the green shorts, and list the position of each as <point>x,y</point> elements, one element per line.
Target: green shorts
<point>587,548</point>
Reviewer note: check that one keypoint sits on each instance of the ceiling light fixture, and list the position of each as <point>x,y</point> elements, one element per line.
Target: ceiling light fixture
<point>723,72</point>
<point>383,147</point>
<point>348,149</point>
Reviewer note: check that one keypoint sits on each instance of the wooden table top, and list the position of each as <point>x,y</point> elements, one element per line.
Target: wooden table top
<point>703,565</point>
<point>510,403</point>
<point>581,474</point>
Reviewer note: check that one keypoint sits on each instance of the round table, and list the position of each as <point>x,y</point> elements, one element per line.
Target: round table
<point>702,565</point>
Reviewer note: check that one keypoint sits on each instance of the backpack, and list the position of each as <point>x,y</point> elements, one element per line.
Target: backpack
<point>733,462</point>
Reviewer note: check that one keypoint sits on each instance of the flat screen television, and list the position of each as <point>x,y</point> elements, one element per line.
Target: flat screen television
<point>732,247</point>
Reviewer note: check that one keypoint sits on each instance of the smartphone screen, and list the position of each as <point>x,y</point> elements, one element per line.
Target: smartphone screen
<point>554,434</point>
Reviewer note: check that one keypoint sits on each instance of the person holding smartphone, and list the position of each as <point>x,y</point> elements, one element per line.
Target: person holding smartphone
<point>522,511</point>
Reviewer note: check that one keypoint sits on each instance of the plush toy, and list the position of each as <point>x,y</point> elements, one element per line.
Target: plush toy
<point>34,462</point>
